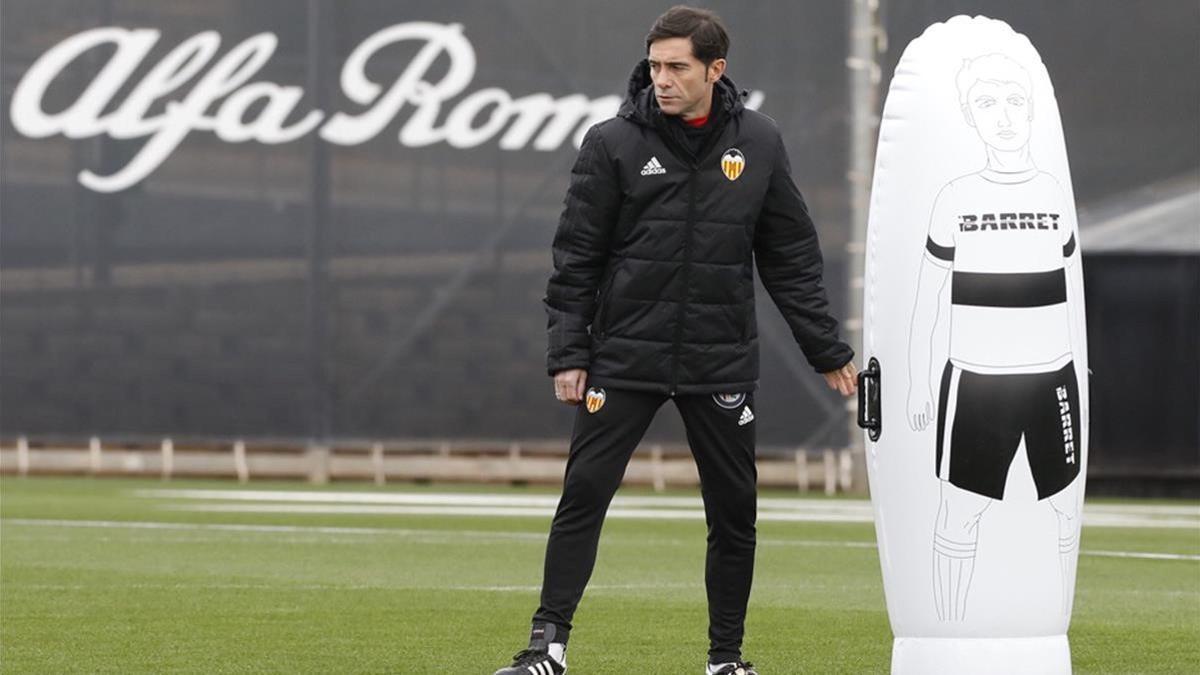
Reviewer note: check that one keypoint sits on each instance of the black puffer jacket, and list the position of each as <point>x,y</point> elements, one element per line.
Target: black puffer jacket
<point>653,283</point>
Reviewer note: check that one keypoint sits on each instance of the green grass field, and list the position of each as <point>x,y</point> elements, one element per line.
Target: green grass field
<point>453,594</point>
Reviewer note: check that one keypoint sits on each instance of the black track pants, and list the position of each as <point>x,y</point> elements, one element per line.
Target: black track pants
<point>601,445</point>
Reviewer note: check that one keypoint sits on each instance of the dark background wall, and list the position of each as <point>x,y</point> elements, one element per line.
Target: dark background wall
<point>313,289</point>
<point>1143,315</point>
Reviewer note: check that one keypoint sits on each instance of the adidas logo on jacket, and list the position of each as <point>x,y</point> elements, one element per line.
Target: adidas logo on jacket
<point>653,168</point>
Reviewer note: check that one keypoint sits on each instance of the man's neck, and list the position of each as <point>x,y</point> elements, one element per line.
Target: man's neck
<point>699,112</point>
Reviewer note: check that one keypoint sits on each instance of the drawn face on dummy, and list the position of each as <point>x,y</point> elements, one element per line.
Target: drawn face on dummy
<point>994,92</point>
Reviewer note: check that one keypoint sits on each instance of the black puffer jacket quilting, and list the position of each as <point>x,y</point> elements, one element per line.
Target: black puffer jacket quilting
<point>653,282</point>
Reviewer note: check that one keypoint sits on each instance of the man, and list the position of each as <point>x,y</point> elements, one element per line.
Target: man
<point>1004,237</point>
<point>652,298</point>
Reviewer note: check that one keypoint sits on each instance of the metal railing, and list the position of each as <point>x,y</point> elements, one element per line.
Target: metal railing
<point>659,465</point>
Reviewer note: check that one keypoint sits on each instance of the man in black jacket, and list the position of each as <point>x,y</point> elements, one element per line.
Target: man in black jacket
<point>670,205</point>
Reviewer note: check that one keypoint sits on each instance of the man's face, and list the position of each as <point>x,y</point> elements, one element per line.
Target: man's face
<point>1001,112</point>
<point>682,85</point>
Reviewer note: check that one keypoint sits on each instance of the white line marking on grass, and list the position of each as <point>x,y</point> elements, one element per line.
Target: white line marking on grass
<point>1114,520</point>
<point>183,585</point>
<point>289,529</point>
<point>459,535</point>
<point>501,511</point>
<point>653,507</point>
<point>591,587</point>
<point>286,587</point>
<point>820,516</point>
<point>816,543</point>
<point>310,496</point>
<point>325,535</point>
<point>1141,555</point>
<point>493,589</point>
<point>856,506</point>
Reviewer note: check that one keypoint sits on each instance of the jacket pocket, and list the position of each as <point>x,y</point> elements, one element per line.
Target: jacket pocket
<point>747,313</point>
<point>602,300</point>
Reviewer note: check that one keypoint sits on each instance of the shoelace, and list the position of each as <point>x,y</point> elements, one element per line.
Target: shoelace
<point>732,668</point>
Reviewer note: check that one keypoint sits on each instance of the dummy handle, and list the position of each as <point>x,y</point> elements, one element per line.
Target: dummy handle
<point>869,415</point>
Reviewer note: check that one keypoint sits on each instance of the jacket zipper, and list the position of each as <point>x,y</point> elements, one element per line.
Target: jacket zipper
<point>687,268</point>
<point>693,173</point>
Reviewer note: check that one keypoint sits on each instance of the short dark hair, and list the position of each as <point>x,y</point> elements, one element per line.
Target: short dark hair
<point>710,40</point>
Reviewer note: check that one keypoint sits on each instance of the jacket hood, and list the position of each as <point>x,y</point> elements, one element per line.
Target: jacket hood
<point>640,105</point>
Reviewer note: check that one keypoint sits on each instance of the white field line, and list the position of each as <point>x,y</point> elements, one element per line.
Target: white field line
<point>469,499</point>
<point>505,511</point>
<point>645,508</point>
<point>268,529</point>
<point>826,516</point>
<point>1117,520</point>
<point>283,586</point>
<point>843,506</point>
<point>461,535</point>
<point>330,534</point>
<point>1141,555</point>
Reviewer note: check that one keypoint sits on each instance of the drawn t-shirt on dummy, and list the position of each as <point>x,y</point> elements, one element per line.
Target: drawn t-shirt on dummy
<point>1006,238</point>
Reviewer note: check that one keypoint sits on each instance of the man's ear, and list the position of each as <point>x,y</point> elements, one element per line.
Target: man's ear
<point>714,71</point>
<point>966,111</point>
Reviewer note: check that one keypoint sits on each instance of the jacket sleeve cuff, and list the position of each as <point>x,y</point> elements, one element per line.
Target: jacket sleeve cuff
<point>831,359</point>
<point>555,367</point>
<point>569,341</point>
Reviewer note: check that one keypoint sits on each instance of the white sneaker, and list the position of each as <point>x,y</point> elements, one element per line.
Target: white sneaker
<point>732,668</point>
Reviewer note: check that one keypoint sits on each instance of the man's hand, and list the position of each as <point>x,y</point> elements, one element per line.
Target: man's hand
<point>569,385</point>
<point>844,379</point>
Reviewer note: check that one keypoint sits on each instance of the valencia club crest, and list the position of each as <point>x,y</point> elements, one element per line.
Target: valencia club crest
<point>595,399</point>
<point>733,163</point>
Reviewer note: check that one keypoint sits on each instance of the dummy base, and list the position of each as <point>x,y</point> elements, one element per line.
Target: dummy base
<point>1049,655</point>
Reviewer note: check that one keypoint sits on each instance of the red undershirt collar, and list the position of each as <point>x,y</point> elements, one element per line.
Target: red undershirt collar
<point>697,123</point>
